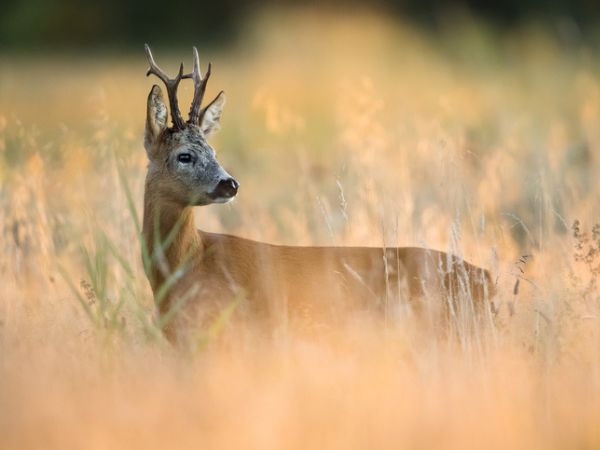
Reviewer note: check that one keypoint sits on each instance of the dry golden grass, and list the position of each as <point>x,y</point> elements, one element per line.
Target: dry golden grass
<point>342,130</point>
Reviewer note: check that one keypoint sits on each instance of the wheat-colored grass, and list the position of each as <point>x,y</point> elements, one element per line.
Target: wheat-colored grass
<point>343,130</point>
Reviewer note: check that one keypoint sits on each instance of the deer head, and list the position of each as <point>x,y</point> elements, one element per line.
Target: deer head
<point>182,165</point>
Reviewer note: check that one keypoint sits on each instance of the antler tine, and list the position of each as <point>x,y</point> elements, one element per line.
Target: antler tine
<point>171,85</point>
<point>199,88</point>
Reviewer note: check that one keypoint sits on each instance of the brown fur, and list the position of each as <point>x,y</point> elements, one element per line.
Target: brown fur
<point>300,286</point>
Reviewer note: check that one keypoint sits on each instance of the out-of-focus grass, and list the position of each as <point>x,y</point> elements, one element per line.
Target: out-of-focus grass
<point>345,130</point>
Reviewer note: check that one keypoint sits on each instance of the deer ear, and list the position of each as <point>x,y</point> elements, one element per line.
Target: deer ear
<point>156,116</point>
<point>210,122</point>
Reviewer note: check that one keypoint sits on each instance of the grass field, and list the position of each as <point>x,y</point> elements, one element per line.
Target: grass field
<point>342,130</point>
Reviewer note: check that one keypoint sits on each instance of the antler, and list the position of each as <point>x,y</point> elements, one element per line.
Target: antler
<point>199,88</point>
<point>171,84</point>
<point>196,112</point>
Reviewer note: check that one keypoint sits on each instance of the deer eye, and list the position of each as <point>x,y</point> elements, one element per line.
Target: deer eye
<point>184,158</point>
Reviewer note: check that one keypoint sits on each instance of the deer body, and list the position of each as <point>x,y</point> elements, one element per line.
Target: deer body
<point>298,286</point>
<point>195,274</point>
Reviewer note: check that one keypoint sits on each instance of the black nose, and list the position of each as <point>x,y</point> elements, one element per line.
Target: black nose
<point>227,188</point>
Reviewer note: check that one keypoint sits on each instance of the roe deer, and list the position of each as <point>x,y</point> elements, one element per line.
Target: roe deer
<point>195,274</point>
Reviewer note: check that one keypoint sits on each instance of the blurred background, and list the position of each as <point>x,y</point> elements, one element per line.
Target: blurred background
<point>466,126</point>
<point>480,108</point>
<point>81,24</point>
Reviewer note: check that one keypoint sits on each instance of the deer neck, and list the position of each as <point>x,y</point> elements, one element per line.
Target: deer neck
<point>170,234</point>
